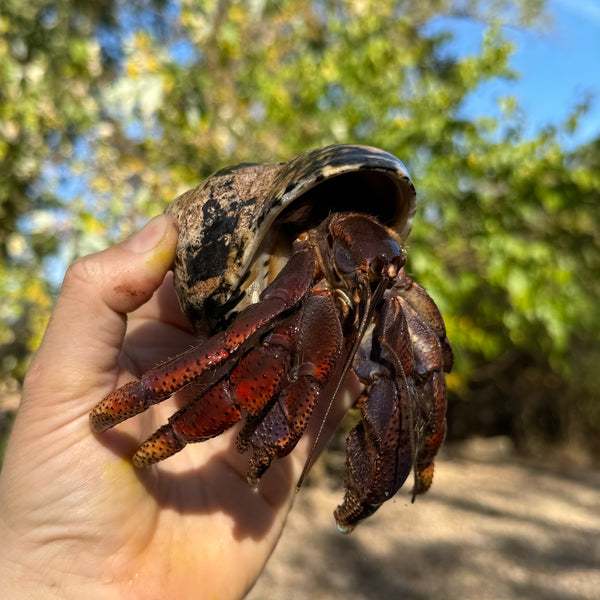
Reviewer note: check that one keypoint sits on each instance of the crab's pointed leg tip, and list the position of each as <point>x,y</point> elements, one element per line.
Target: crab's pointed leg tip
<point>98,423</point>
<point>160,445</point>
<point>118,406</point>
<point>345,528</point>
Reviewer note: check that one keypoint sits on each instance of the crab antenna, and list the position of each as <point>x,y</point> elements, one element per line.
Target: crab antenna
<point>411,412</point>
<point>371,300</point>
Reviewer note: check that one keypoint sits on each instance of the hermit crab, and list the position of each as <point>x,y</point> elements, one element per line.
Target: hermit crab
<point>293,274</point>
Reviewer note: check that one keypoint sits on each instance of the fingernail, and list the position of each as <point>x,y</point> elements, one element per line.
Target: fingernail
<point>147,237</point>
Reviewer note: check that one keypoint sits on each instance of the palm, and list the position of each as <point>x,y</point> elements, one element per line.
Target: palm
<point>192,523</point>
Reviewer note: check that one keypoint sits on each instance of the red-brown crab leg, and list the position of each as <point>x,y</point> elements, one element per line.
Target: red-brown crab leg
<point>250,386</point>
<point>379,453</point>
<point>209,415</point>
<point>319,346</point>
<point>257,379</point>
<point>290,285</point>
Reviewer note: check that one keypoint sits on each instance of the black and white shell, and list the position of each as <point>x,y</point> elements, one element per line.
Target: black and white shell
<point>237,226</point>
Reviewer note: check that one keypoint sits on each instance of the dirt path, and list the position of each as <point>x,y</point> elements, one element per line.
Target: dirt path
<point>495,530</point>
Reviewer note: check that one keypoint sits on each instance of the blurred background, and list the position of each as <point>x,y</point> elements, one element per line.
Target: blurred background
<point>110,109</point>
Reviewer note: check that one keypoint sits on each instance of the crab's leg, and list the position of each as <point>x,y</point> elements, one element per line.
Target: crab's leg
<point>258,378</point>
<point>288,288</point>
<point>318,350</point>
<point>425,307</point>
<point>250,386</point>
<point>429,396</point>
<point>432,395</point>
<point>207,416</point>
<point>379,449</point>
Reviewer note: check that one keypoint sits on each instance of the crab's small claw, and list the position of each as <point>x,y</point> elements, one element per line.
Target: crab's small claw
<point>422,303</point>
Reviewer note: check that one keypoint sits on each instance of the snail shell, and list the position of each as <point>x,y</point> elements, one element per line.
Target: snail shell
<point>238,225</point>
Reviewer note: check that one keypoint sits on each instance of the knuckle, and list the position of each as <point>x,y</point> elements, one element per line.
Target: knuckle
<point>34,376</point>
<point>82,271</point>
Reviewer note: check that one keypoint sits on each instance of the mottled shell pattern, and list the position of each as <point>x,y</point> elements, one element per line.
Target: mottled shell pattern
<point>238,225</point>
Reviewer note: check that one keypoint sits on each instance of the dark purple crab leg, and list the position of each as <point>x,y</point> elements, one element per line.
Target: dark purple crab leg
<point>429,405</point>
<point>379,452</point>
<point>288,288</point>
<point>423,304</point>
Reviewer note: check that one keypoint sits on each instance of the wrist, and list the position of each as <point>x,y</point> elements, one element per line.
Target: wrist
<point>17,581</point>
<point>30,571</point>
<point>20,581</point>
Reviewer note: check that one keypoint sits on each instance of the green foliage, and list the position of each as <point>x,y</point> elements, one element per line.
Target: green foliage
<point>110,110</point>
<point>48,65</point>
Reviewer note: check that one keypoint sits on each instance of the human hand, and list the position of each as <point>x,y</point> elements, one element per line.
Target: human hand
<point>77,520</point>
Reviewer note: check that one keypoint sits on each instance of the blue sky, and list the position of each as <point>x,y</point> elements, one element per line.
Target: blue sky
<point>558,66</point>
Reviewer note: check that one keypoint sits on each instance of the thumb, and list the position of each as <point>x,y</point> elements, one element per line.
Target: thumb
<point>86,330</point>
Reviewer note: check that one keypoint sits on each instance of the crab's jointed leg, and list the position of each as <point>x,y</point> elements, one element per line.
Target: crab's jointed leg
<point>288,288</point>
<point>276,384</point>
<point>318,349</point>
<point>250,386</point>
<point>429,406</point>
<point>379,453</point>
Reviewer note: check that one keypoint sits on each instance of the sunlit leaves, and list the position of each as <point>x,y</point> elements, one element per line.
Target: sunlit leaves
<point>110,110</point>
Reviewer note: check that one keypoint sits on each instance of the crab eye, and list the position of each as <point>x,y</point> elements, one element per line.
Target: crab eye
<point>394,255</point>
<point>344,260</point>
<point>394,249</point>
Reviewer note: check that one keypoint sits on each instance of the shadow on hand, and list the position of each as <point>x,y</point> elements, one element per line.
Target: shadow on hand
<point>219,485</point>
